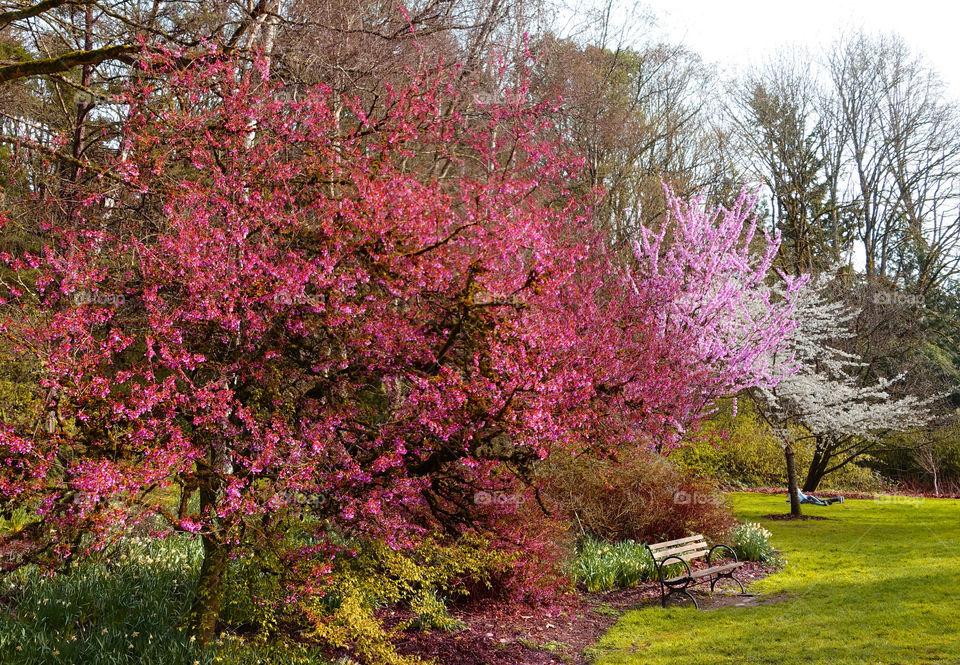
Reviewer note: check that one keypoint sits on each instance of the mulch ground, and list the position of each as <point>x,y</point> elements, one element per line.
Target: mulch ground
<point>787,516</point>
<point>499,633</point>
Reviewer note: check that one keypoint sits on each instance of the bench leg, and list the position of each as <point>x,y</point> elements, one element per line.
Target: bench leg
<point>730,576</point>
<point>673,590</point>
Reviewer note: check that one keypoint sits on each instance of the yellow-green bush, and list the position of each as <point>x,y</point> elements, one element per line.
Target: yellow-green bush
<point>418,579</point>
<point>741,450</point>
<point>736,450</point>
<point>18,520</point>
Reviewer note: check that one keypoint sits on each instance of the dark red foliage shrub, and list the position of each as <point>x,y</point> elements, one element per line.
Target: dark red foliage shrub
<point>547,542</point>
<point>646,498</point>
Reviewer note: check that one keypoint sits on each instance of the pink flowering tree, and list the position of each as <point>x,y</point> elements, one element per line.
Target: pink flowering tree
<point>706,276</point>
<point>265,305</point>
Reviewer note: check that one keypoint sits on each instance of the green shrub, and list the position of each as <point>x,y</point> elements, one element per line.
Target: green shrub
<point>419,579</point>
<point>851,478</point>
<point>751,542</point>
<point>741,451</point>
<point>602,566</point>
<point>431,613</point>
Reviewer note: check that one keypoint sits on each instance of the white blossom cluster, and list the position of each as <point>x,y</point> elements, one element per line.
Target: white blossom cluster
<point>820,386</point>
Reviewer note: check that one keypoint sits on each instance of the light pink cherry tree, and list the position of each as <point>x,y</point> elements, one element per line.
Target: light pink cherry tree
<point>267,303</point>
<point>707,274</point>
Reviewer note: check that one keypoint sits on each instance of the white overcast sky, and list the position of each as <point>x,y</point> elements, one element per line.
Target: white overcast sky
<point>734,33</point>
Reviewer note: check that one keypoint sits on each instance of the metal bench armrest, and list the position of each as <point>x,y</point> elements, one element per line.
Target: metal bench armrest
<point>717,547</point>
<point>663,563</point>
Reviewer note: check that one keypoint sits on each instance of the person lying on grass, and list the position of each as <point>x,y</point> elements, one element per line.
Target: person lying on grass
<point>809,498</point>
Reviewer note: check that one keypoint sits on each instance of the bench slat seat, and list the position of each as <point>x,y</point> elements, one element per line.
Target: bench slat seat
<point>679,541</point>
<point>694,574</point>
<point>681,552</point>
<point>682,549</point>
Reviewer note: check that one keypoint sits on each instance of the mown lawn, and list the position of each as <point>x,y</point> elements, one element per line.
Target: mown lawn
<point>877,584</point>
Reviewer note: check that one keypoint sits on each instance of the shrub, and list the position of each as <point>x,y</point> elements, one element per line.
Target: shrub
<point>378,576</point>
<point>736,451</point>
<point>751,542</point>
<point>644,499</point>
<point>741,451</point>
<point>602,566</point>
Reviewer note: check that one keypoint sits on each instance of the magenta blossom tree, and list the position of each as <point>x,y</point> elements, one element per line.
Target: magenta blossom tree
<point>387,310</point>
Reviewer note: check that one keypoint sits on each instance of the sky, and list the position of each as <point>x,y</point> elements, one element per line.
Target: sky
<point>735,33</point>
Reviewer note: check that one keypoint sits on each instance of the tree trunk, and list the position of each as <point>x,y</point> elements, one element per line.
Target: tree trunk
<point>792,481</point>
<point>812,481</point>
<point>206,604</point>
<point>817,470</point>
<point>83,107</point>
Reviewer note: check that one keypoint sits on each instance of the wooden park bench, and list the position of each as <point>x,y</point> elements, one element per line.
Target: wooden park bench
<point>683,551</point>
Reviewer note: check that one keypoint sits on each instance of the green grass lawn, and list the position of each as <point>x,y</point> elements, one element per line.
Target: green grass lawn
<point>877,584</point>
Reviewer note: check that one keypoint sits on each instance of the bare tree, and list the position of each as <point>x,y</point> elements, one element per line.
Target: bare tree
<point>639,116</point>
<point>936,449</point>
<point>781,117</point>
<point>902,146</point>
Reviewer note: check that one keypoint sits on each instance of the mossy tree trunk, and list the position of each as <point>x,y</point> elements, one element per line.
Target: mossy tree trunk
<point>206,604</point>
<point>210,586</point>
<point>792,480</point>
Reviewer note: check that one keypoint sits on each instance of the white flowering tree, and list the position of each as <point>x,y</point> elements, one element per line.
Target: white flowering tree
<point>823,396</point>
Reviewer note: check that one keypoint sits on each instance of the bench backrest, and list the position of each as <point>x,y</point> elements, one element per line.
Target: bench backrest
<point>688,549</point>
